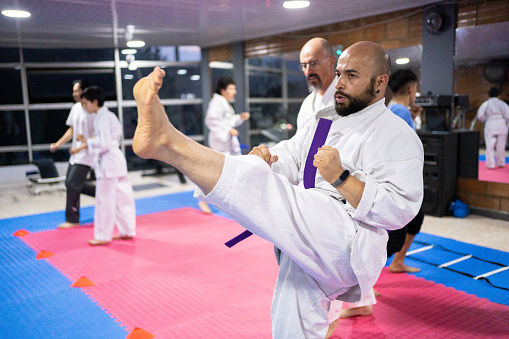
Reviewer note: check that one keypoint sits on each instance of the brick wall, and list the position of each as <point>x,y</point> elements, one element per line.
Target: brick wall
<point>490,196</point>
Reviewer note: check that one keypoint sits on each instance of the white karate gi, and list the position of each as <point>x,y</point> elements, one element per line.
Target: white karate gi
<point>114,198</point>
<point>313,103</point>
<point>82,123</point>
<point>220,119</point>
<point>495,114</point>
<point>328,249</point>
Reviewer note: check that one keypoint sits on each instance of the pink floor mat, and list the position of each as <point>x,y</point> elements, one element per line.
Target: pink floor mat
<point>496,174</point>
<point>176,279</point>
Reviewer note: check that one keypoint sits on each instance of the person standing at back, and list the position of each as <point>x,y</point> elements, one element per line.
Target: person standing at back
<point>495,115</point>
<point>114,204</point>
<point>79,122</point>
<point>317,62</point>
<point>221,121</point>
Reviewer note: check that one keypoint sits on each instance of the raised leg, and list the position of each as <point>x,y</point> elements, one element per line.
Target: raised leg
<point>157,138</point>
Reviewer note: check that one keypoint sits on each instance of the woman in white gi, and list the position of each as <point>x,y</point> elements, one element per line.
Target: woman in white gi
<point>221,121</point>
<point>495,115</point>
<point>114,202</point>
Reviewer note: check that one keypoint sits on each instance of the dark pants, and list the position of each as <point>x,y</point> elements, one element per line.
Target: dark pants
<point>397,237</point>
<point>75,185</point>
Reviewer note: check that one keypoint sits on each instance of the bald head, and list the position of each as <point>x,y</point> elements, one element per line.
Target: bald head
<point>317,62</point>
<point>373,54</point>
<point>318,45</point>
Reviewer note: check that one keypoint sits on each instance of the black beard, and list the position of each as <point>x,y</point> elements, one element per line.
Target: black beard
<point>356,104</point>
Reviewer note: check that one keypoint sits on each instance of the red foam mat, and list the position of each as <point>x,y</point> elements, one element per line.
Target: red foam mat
<point>176,279</point>
<point>411,307</point>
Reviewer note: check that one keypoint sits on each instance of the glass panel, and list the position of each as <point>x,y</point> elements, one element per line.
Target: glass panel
<point>167,53</point>
<point>186,118</point>
<point>297,86</point>
<point>11,92</point>
<point>263,84</point>
<point>9,54</point>
<point>47,126</point>
<point>218,73</point>
<point>293,111</point>
<point>67,55</point>
<point>56,85</point>
<point>267,61</point>
<point>189,53</point>
<point>61,155</point>
<point>179,82</point>
<point>12,128</point>
<point>293,65</point>
<point>130,121</point>
<point>264,116</point>
<point>13,158</point>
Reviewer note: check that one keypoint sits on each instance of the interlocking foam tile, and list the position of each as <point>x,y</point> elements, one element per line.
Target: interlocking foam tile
<point>471,266</point>
<point>175,277</point>
<point>411,307</point>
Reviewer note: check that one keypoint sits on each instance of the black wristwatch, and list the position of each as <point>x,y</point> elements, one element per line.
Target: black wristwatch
<point>341,179</point>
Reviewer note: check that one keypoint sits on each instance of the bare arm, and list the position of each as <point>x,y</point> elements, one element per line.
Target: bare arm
<point>65,138</point>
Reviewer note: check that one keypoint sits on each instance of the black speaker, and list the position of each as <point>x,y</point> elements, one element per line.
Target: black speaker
<point>440,171</point>
<point>468,154</point>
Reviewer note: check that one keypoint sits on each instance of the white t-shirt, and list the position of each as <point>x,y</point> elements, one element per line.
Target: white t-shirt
<point>81,123</point>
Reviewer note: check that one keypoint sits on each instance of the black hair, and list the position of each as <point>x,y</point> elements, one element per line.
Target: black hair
<point>92,93</point>
<point>494,92</point>
<point>84,83</point>
<point>399,80</point>
<point>223,83</point>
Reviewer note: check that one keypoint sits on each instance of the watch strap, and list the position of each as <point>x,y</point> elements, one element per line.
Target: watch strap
<point>341,179</point>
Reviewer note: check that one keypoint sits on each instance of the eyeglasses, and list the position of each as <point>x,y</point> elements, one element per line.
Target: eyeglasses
<point>311,65</point>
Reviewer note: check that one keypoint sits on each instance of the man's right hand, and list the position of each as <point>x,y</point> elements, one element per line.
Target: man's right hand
<point>53,147</point>
<point>263,152</point>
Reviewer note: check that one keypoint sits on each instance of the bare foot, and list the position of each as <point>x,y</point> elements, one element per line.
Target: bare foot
<point>332,327</point>
<point>204,207</point>
<point>95,242</point>
<point>356,311</point>
<point>402,268</point>
<point>154,128</point>
<point>68,225</point>
<point>376,293</point>
<point>122,237</point>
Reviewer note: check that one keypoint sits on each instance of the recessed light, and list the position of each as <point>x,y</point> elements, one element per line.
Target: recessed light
<point>135,43</point>
<point>182,71</point>
<point>16,13</point>
<point>194,77</point>
<point>296,4</point>
<point>128,51</point>
<point>402,61</point>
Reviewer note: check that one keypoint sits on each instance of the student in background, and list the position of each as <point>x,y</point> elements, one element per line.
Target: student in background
<point>114,194</point>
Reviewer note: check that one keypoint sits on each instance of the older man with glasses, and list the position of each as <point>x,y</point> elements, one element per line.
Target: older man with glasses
<point>317,63</point>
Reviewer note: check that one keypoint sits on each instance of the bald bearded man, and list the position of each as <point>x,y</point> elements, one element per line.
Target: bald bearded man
<point>331,238</point>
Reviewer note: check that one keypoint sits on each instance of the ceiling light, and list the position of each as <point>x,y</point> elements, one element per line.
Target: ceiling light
<point>129,51</point>
<point>402,61</point>
<point>195,77</point>
<point>221,64</point>
<point>182,71</point>
<point>295,4</point>
<point>128,76</point>
<point>135,43</point>
<point>16,13</point>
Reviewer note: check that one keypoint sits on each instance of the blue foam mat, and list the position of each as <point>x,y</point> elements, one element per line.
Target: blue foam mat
<point>37,301</point>
<point>427,261</point>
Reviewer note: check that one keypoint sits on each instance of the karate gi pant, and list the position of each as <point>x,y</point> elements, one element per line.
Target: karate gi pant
<point>495,136</point>
<point>75,184</point>
<point>114,205</point>
<point>317,237</point>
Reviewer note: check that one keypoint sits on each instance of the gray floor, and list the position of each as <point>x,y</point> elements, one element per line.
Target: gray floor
<point>15,200</point>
